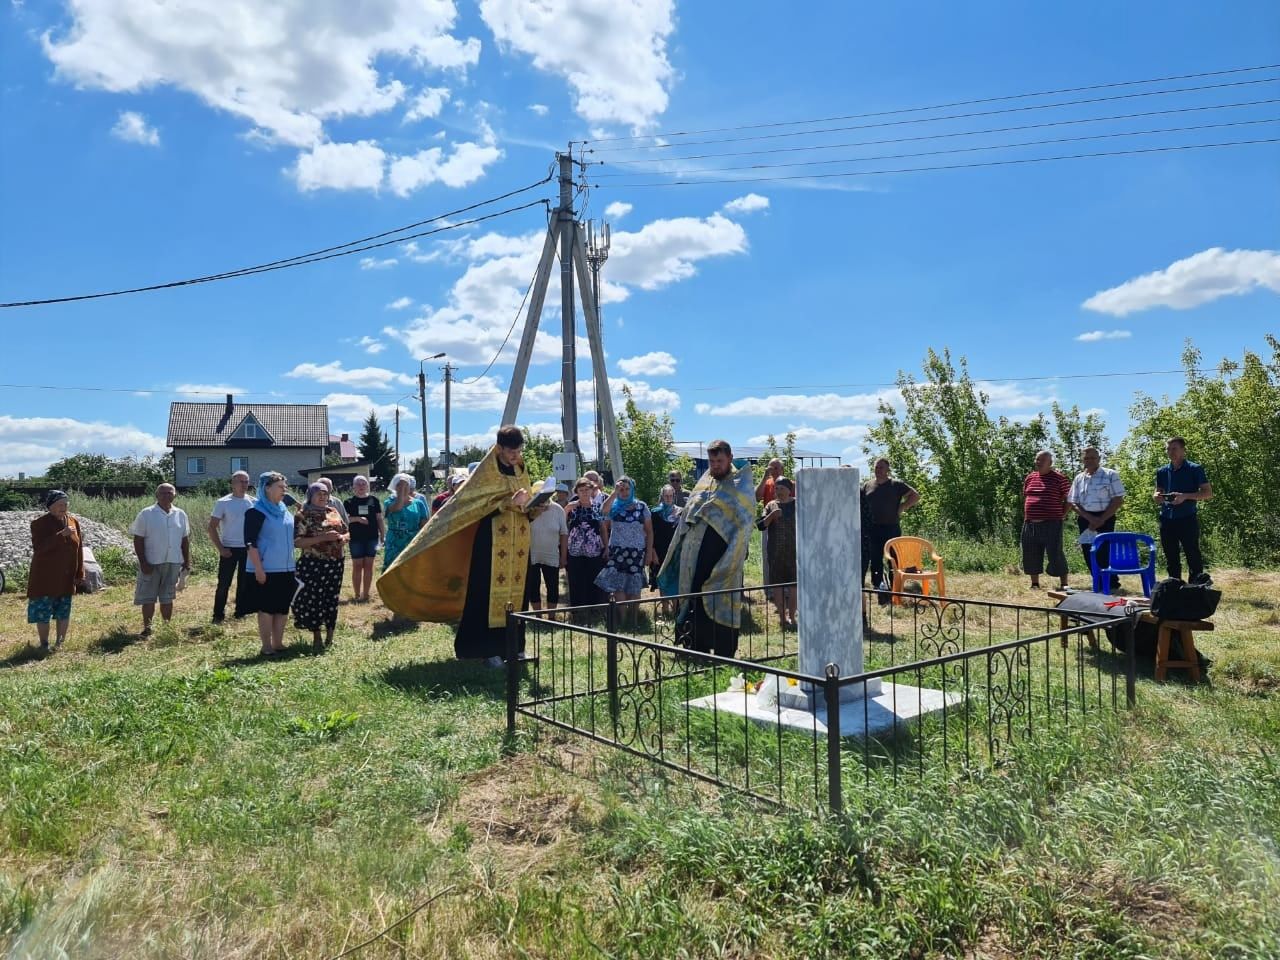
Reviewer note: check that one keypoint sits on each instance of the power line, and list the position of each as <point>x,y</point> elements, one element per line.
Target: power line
<point>514,320</point>
<point>950,166</point>
<point>956,150</point>
<point>168,391</point>
<point>328,253</point>
<point>950,116</point>
<point>938,106</point>
<point>940,136</point>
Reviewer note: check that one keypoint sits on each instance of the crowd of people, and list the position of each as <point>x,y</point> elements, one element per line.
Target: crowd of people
<point>488,541</point>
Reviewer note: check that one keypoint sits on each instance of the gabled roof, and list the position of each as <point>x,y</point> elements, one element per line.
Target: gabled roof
<point>343,447</point>
<point>212,424</point>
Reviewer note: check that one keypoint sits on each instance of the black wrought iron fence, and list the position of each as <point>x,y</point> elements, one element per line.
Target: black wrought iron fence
<point>947,685</point>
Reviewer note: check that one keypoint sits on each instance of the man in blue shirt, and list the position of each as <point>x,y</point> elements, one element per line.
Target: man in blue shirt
<point>1179,484</point>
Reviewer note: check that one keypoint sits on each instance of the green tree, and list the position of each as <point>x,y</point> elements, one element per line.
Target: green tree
<point>469,455</point>
<point>375,448</point>
<point>537,452</point>
<point>81,468</point>
<point>967,464</point>
<point>1231,422</point>
<point>646,440</point>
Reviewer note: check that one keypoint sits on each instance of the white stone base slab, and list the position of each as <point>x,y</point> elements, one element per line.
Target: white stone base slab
<point>858,718</point>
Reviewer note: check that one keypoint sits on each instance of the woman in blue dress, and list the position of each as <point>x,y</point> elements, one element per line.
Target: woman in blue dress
<point>628,529</point>
<point>405,515</point>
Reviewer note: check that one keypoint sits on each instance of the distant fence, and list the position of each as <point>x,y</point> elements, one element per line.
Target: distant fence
<point>972,678</point>
<point>90,488</point>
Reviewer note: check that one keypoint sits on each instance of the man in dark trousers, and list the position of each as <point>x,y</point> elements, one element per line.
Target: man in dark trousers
<point>1180,483</point>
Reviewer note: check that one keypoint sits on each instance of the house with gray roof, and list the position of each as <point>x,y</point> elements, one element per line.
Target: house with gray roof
<point>214,440</point>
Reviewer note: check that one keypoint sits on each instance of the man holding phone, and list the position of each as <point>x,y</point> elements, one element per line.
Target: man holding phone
<point>1179,485</point>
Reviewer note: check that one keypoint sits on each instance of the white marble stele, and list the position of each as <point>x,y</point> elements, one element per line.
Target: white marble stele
<point>829,585</point>
<point>829,600</point>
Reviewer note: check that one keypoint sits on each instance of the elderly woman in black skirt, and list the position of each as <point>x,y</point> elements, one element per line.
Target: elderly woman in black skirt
<point>319,531</point>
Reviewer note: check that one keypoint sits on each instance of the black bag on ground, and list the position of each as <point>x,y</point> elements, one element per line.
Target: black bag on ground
<point>1175,600</point>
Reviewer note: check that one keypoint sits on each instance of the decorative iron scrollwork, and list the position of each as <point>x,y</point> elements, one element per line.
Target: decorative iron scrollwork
<point>1008,683</point>
<point>639,720</point>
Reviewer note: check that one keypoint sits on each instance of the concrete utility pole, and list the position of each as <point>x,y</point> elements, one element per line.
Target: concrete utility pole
<point>399,465</point>
<point>448,407</point>
<point>563,229</point>
<point>597,254</point>
<point>422,399</point>
<point>568,320</point>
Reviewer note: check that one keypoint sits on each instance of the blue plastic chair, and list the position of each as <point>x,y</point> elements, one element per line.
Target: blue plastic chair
<point>1124,560</point>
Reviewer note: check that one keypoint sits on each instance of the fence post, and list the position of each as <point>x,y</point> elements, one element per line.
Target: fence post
<point>831,694</point>
<point>611,664</point>
<point>1128,631</point>
<point>513,677</point>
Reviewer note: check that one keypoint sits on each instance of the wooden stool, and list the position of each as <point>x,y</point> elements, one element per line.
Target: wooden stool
<point>1185,629</point>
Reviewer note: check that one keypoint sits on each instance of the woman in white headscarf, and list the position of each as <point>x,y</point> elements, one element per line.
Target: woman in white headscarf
<point>405,514</point>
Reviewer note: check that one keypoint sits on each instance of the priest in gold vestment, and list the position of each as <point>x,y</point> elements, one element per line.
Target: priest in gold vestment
<point>471,559</point>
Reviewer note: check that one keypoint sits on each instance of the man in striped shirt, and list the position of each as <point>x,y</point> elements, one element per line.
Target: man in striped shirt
<point>1044,507</point>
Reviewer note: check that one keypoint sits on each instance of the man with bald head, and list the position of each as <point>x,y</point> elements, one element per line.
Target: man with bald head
<point>162,543</point>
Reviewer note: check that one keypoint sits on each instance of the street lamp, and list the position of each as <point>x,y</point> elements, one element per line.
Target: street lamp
<point>422,396</point>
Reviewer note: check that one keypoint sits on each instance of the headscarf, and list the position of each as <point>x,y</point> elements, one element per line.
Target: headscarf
<point>312,490</point>
<point>620,505</point>
<point>357,479</point>
<point>394,488</point>
<point>274,510</point>
<point>52,497</point>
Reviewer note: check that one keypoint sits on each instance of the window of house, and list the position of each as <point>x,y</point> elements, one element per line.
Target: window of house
<point>195,465</point>
<point>251,431</point>
<point>239,463</point>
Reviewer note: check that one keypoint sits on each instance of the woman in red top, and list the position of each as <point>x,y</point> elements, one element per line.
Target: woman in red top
<point>1044,507</point>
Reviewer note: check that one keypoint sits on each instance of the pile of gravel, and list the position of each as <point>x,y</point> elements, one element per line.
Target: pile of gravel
<point>15,536</point>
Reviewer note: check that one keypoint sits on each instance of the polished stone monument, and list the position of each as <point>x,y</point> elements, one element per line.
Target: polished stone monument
<point>829,566</point>
<point>829,601</point>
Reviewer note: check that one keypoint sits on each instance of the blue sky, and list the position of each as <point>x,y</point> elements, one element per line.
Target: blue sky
<point>147,141</point>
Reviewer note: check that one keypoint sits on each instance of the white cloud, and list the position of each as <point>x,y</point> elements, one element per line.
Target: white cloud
<point>340,166</point>
<point>206,391</point>
<point>1095,335</point>
<point>400,303</point>
<point>480,307</point>
<point>29,444</point>
<point>427,104</point>
<point>489,393</point>
<point>665,251</point>
<point>822,406</point>
<point>747,204</point>
<point>464,165</point>
<point>354,407</point>
<point>1187,283</point>
<point>658,363</point>
<point>362,378</point>
<point>613,54</point>
<point>617,210</point>
<point>541,109</point>
<point>851,433</point>
<point>287,66</point>
<point>371,345</point>
<point>373,263</point>
<point>132,127</point>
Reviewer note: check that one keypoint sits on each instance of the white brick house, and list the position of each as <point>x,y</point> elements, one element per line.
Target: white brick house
<point>213,440</point>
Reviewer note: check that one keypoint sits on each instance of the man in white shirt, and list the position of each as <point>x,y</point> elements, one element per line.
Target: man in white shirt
<point>1096,494</point>
<point>226,531</point>
<point>548,554</point>
<point>162,543</point>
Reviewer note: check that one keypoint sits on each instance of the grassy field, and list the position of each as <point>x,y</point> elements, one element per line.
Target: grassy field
<point>179,798</point>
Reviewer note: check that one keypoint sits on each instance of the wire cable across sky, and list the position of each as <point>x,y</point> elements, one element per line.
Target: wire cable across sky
<point>316,256</point>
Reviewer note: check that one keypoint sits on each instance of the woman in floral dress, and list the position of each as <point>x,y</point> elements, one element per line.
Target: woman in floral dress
<point>628,530</point>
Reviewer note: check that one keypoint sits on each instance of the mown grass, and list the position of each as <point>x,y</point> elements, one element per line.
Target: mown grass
<point>180,798</point>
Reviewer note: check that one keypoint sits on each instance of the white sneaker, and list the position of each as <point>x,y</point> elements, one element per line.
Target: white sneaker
<point>494,663</point>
